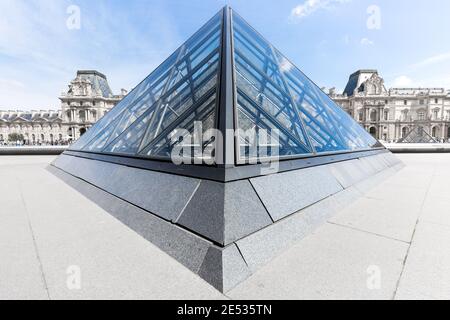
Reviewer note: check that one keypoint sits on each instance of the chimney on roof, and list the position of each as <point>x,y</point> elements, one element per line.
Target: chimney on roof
<point>332,91</point>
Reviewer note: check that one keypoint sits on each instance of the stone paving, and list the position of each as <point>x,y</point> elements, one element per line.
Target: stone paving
<point>394,243</point>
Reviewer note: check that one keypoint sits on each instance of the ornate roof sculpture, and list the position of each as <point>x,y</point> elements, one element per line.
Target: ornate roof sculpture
<point>365,82</point>
<point>88,83</point>
<point>239,198</point>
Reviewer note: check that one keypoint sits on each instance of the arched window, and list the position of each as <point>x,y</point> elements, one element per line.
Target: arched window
<point>405,114</point>
<point>82,115</point>
<point>361,115</point>
<point>435,132</point>
<point>405,131</point>
<point>435,114</point>
<point>373,132</point>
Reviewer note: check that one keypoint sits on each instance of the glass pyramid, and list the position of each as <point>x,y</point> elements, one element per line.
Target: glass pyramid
<point>188,95</point>
<point>417,135</point>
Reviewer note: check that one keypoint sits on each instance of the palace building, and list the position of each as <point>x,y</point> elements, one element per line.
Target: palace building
<point>390,114</point>
<point>387,114</point>
<point>87,99</point>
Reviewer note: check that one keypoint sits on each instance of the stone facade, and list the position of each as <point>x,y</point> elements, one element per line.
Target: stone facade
<point>88,98</point>
<point>389,114</point>
<point>36,126</point>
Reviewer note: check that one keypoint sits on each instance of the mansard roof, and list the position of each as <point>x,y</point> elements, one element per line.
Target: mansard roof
<point>91,72</point>
<point>32,116</point>
<point>357,78</point>
<point>365,82</point>
<point>96,79</point>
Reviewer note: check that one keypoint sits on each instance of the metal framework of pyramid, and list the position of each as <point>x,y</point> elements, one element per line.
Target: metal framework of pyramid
<point>417,135</point>
<point>242,199</point>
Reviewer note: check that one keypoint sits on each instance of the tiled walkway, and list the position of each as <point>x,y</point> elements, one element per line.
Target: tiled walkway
<point>393,243</point>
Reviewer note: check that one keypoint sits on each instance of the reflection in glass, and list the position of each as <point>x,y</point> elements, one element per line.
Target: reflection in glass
<point>273,94</point>
<point>278,110</point>
<point>173,94</point>
<point>263,99</point>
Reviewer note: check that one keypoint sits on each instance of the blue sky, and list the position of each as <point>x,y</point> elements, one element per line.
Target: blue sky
<point>407,41</point>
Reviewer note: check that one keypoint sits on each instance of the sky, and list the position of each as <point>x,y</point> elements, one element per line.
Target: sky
<point>44,42</point>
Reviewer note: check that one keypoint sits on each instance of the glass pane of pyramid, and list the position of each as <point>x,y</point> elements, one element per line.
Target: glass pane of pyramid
<point>149,87</point>
<point>128,142</point>
<point>100,140</point>
<point>194,82</point>
<point>278,110</point>
<point>167,95</point>
<point>273,94</point>
<point>201,118</point>
<point>263,98</point>
<point>417,135</point>
<point>330,127</point>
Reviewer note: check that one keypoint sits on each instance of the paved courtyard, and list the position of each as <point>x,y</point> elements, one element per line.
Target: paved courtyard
<point>394,243</point>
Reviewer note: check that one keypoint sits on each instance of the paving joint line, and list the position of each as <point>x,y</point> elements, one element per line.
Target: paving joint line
<point>368,232</point>
<point>41,268</point>
<point>412,236</point>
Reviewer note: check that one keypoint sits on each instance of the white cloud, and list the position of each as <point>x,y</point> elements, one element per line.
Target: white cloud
<point>433,60</point>
<point>346,39</point>
<point>38,49</point>
<point>402,81</point>
<point>367,42</point>
<point>438,82</point>
<point>420,81</point>
<point>310,6</point>
<point>11,83</point>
